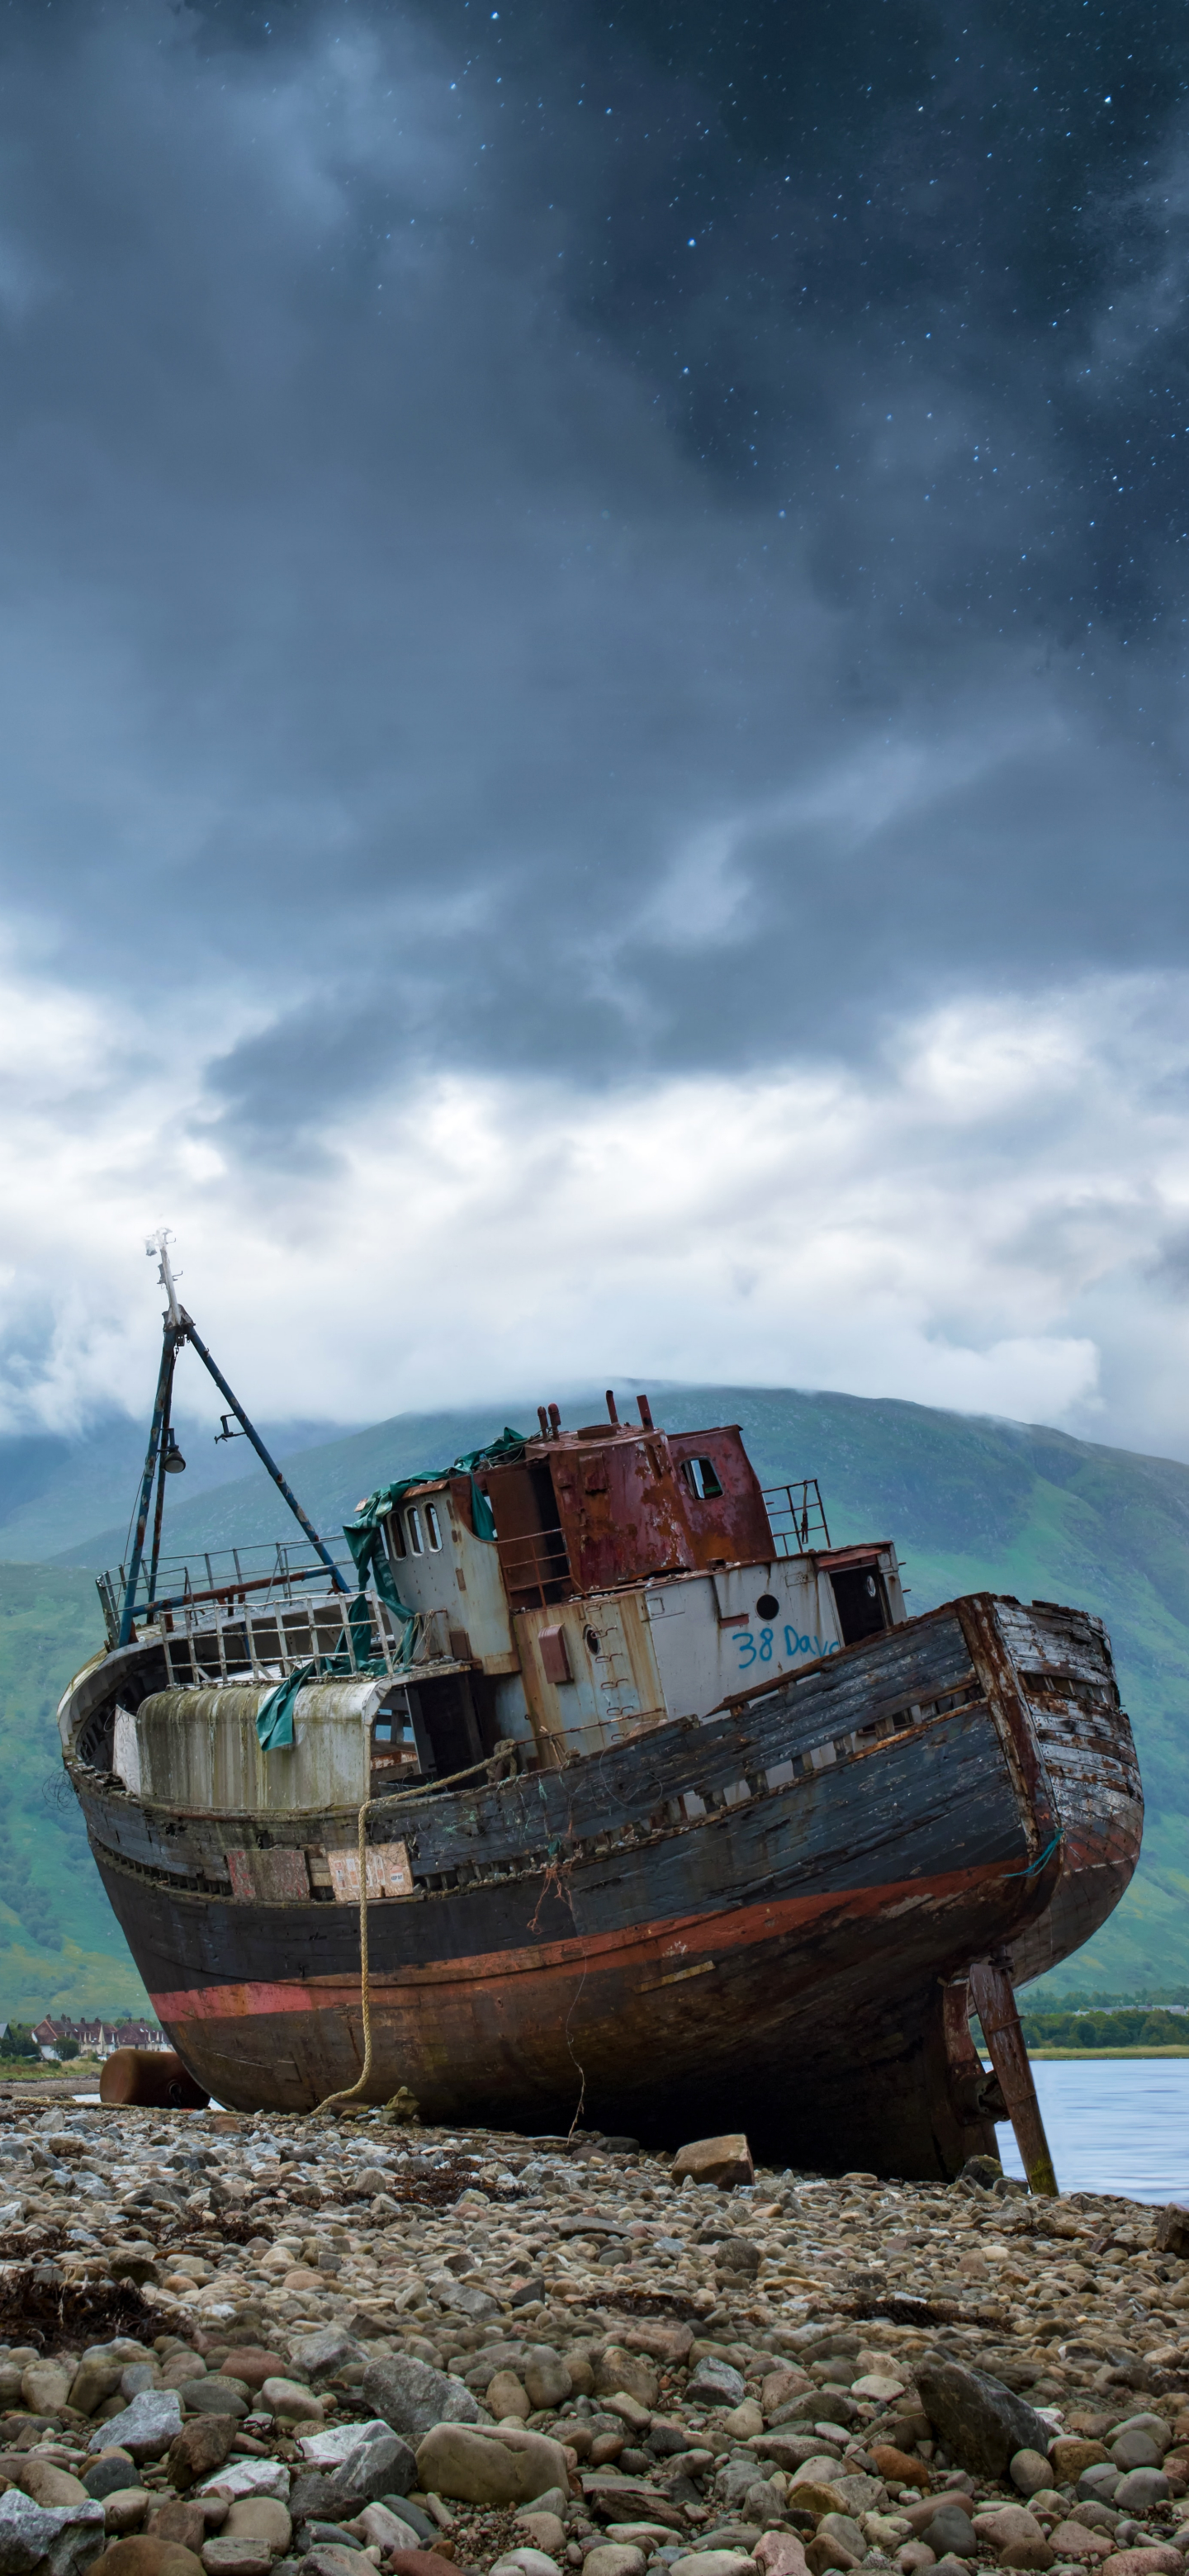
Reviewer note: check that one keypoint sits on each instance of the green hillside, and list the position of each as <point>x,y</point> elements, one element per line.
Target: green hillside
<point>61,1949</point>
<point>972,1504</point>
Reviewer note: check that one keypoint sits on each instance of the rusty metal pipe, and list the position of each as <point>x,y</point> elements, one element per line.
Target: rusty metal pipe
<point>644,1410</point>
<point>611,1406</point>
<point>994,1999</point>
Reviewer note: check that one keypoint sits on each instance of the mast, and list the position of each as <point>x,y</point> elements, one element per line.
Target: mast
<point>179,1327</point>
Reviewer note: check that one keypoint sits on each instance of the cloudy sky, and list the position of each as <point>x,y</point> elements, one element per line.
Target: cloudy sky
<point>593,645</point>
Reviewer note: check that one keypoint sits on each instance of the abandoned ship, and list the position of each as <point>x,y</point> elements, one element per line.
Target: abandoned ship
<point>669,1816</point>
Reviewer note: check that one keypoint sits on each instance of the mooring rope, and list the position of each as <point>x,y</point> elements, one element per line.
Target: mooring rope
<point>352,2090</point>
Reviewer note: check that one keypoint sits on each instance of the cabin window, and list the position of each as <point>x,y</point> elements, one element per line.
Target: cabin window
<point>396,1534</point>
<point>413,1526</point>
<point>861,1602</point>
<point>701,1477</point>
<point>433,1526</point>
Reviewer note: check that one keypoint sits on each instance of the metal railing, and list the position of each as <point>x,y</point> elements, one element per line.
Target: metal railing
<point>798,1516</point>
<point>220,1574</point>
<point>216,1641</point>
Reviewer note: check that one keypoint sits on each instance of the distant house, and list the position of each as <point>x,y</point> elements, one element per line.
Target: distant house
<point>95,2038</point>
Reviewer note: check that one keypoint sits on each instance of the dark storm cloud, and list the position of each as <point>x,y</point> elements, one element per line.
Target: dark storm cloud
<point>534,540</point>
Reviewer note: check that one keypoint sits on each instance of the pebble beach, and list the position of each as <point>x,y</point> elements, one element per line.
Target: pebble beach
<point>257,2346</point>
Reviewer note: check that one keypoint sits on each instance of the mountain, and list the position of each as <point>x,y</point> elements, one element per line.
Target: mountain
<point>972,1504</point>
<point>56,1491</point>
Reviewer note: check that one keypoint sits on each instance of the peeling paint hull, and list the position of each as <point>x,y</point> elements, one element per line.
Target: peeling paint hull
<point>750,1920</point>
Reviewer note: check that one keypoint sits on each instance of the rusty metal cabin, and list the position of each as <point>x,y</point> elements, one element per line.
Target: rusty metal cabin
<point>634,1576</point>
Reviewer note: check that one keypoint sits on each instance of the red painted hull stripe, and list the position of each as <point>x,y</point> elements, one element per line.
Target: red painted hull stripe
<point>660,1948</point>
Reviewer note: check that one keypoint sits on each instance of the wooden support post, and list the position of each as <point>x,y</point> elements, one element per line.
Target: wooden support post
<point>994,2000</point>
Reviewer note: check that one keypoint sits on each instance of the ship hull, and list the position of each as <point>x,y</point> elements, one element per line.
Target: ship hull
<point>751,1922</point>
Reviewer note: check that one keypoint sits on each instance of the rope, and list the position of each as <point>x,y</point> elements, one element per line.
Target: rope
<point>352,2090</point>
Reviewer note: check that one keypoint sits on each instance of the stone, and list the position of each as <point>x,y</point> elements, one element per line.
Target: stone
<point>507,2395</point>
<point>293,2404</point>
<point>1030,2471</point>
<point>146,2428</point>
<point>826,2551</point>
<point>843,2527</point>
<point>859,2493</point>
<point>1075,2540</point>
<point>951,2532</point>
<point>418,2562</point>
<point>109,2475</point>
<point>255,2517</point>
<point>336,2560</point>
<point>982,2423</point>
<point>213,2395</point>
<point>899,2468</point>
<point>1135,2449</point>
<point>715,2383</point>
<point>613,2558</point>
<point>527,2561</point>
<point>1007,2522</point>
<point>878,2385</point>
<point>545,2376</point>
<point>545,2530</point>
<point>1159,2560</point>
<point>1140,2490</point>
<point>145,2557</point>
<point>380,2527</point>
<point>184,2366</point>
<point>67,2538</point>
<point>45,2387</point>
<point>92,2382</point>
<point>202,2445</point>
<point>778,2386</point>
<point>616,2368</point>
<point>1172,2229</point>
<point>518,2466</point>
<point>1072,2453</point>
<point>412,2397</point>
<point>320,2355</point>
<point>815,2494</point>
<point>780,2553</point>
<point>226,2555</point>
<point>126,2510</point>
<point>48,2485</point>
<point>251,2478</point>
<point>383,2466</point>
<point>725,2161</point>
<point>328,2449</point>
<point>181,2521</point>
<point>1097,2485</point>
<point>710,2562</point>
<point>744,2420</point>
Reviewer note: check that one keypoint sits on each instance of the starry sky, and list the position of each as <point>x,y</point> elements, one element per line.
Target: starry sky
<point>593,650</point>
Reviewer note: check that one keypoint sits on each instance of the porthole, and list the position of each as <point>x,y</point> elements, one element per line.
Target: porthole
<point>767,1607</point>
<point>413,1526</point>
<point>433,1526</point>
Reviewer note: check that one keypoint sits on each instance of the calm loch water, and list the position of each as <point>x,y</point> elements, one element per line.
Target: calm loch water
<point>1114,2124</point>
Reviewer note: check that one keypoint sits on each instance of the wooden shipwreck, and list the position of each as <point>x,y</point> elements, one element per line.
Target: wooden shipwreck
<point>666,1809</point>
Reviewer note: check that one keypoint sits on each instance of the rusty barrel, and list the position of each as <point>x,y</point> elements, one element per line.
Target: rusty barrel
<point>150,2079</point>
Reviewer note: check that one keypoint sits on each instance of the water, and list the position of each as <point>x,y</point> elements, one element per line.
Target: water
<point>1114,2124</point>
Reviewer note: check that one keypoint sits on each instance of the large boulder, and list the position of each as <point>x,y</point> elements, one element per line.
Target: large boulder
<point>62,2538</point>
<point>981,2422</point>
<point>374,2469</point>
<point>726,2161</point>
<point>488,2468</point>
<point>412,2397</point>
<point>202,2445</point>
<point>146,2428</point>
<point>616,2368</point>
